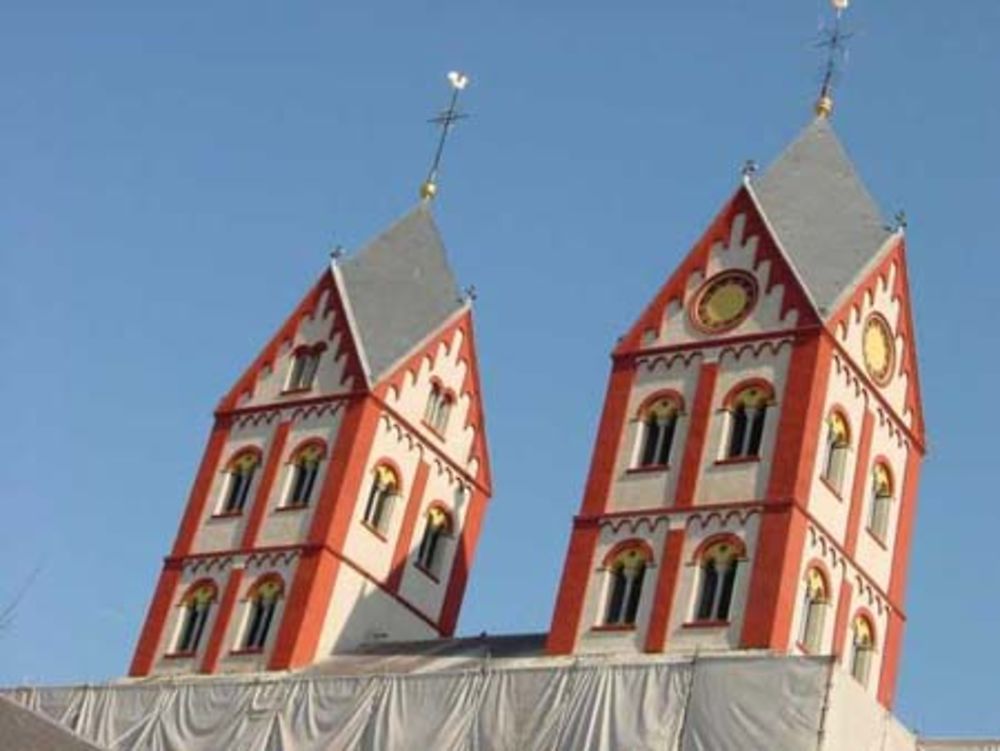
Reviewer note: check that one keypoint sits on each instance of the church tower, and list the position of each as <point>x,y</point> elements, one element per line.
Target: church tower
<point>341,493</point>
<point>754,479</point>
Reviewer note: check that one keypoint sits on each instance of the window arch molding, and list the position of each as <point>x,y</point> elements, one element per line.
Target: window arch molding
<point>658,396</point>
<point>386,485</point>
<point>390,464</point>
<point>623,546</point>
<point>244,454</point>
<point>882,494</point>
<point>863,645</point>
<point>303,468</point>
<point>305,445</point>
<point>205,583</point>
<point>262,601</point>
<point>238,471</point>
<point>762,386</point>
<point>195,606</point>
<point>728,538</point>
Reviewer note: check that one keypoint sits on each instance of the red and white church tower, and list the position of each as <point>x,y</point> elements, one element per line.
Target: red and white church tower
<point>754,479</point>
<point>341,493</point>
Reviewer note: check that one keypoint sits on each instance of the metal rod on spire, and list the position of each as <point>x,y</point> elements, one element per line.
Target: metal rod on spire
<point>834,39</point>
<point>445,120</point>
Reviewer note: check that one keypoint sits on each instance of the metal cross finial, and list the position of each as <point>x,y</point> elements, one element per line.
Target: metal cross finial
<point>834,39</point>
<point>900,220</point>
<point>469,293</point>
<point>749,169</point>
<point>446,119</point>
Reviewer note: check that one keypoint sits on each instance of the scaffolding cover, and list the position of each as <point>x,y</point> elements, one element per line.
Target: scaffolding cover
<point>701,704</point>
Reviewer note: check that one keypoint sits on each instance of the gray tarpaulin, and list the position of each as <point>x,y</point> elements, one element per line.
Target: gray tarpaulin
<point>704,704</point>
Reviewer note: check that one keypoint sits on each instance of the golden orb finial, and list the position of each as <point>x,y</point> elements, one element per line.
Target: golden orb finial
<point>428,189</point>
<point>824,105</point>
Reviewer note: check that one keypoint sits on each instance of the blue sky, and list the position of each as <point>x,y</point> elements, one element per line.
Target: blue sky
<point>172,177</point>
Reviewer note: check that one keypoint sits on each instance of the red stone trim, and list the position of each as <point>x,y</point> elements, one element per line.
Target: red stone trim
<point>722,537</point>
<point>623,545</point>
<point>891,653</point>
<point>755,459</point>
<point>202,485</point>
<point>672,394</point>
<point>613,627</point>
<point>706,624</point>
<point>210,661</point>
<point>649,469</point>
<point>666,587</point>
<point>259,507</point>
<point>859,487</point>
<point>565,626</point>
<point>462,562</point>
<point>405,538</point>
<point>152,630</point>
<point>840,622</point>
<point>697,435</point>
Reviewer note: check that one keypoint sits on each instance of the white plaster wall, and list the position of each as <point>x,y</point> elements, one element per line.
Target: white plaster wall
<point>645,489</point>
<point>225,533</point>
<point>288,526</point>
<point>361,612</point>
<point>362,546</point>
<point>851,337</point>
<point>743,524</point>
<point>410,400</point>
<point>827,507</point>
<point>873,557</point>
<point>737,253</point>
<point>743,481</point>
<point>255,566</point>
<point>314,328</point>
<point>653,531</point>
<point>416,587</point>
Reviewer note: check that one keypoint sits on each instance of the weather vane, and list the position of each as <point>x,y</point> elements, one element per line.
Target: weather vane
<point>834,39</point>
<point>445,121</point>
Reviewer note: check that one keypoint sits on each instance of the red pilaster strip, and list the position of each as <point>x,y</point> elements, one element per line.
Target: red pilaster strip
<point>225,615</point>
<point>572,589</point>
<point>312,587</point>
<point>666,585</point>
<point>801,419</point>
<point>768,620</point>
<point>156,618</point>
<point>841,619</point>
<point>609,436</point>
<point>890,660</point>
<point>694,445</point>
<point>199,491</point>
<point>259,508</point>
<point>462,564</point>
<point>862,481</point>
<point>904,530</point>
<point>405,538</point>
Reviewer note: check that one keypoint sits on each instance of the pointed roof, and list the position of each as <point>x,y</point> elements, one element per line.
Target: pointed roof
<point>822,215</point>
<point>398,289</point>
<point>21,728</point>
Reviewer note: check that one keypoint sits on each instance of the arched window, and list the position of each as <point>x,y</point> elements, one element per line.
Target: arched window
<point>659,423</point>
<point>196,606</point>
<point>305,363</point>
<point>436,526</point>
<point>838,445</point>
<point>626,567</point>
<point>239,478</point>
<point>862,649</point>
<point>718,566</point>
<point>383,493</point>
<point>305,467</point>
<point>439,406</point>
<point>881,502</point>
<point>817,598</point>
<point>264,599</point>
<point>747,415</point>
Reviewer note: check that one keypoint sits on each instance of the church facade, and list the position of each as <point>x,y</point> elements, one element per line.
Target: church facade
<point>754,479</point>
<point>341,493</point>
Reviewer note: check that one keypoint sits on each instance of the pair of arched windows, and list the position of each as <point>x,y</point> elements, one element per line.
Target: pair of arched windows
<point>304,469</point>
<point>196,606</point>
<point>239,477</point>
<point>881,500</point>
<point>862,648</point>
<point>303,367</point>
<point>437,528</point>
<point>382,494</point>
<point>440,403</point>
<point>747,406</point>
<point>263,600</point>
<point>658,421</point>
<point>816,602</point>
<point>719,564</point>
<point>626,566</point>
<point>838,447</point>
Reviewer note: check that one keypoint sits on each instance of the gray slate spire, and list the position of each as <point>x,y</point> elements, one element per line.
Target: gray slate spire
<point>823,216</point>
<point>399,289</point>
